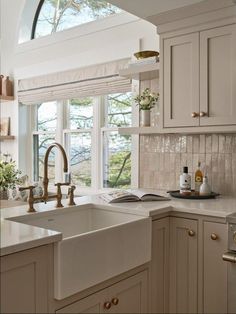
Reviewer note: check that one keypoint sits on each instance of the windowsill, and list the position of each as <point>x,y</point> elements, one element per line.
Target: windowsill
<point>80,191</point>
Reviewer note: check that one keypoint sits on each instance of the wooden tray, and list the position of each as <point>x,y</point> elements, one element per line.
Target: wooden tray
<point>192,196</point>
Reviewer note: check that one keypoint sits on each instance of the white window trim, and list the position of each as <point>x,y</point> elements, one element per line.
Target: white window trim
<point>74,32</point>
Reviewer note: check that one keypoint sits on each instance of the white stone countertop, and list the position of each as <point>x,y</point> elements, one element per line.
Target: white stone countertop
<point>17,236</point>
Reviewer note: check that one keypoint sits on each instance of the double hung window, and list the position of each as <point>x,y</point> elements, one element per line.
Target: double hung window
<point>88,129</point>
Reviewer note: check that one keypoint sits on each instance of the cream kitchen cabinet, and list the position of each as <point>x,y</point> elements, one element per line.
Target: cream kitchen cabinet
<point>183,295</point>
<point>127,296</point>
<point>199,78</point>
<point>159,284</point>
<point>214,268</point>
<point>188,274</point>
<point>24,281</point>
<point>181,80</point>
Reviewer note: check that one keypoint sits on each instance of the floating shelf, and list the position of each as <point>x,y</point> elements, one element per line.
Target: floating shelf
<point>141,71</point>
<point>6,98</point>
<point>139,130</point>
<point>6,137</point>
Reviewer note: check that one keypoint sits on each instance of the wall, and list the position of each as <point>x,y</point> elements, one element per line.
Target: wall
<point>162,158</point>
<point>10,10</point>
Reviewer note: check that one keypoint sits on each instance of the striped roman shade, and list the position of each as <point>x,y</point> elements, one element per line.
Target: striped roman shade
<point>90,81</point>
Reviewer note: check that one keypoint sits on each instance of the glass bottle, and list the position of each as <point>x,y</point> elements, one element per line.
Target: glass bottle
<point>198,178</point>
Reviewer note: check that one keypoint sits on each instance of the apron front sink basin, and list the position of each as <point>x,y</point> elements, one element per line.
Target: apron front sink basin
<point>97,244</point>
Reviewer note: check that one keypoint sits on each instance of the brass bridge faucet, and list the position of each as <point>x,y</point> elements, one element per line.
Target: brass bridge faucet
<point>45,197</point>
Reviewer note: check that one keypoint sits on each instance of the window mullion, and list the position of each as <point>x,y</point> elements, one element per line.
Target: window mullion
<point>96,143</point>
<point>59,139</point>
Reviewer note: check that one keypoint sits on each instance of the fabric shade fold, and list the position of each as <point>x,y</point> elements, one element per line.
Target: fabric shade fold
<point>90,81</point>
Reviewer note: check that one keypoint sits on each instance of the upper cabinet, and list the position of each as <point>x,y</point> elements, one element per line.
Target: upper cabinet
<point>218,76</point>
<point>199,78</point>
<point>181,80</point>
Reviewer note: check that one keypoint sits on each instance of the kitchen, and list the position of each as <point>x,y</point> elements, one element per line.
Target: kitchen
<point>186,261</point>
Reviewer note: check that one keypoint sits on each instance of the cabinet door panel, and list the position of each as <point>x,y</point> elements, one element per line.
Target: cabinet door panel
<point>183,265</point>
<point>91,304</point>
<point>181,80</point>
<point>132,294</point>
<point>215,269</point>
<point>24,281</point>
<point>160,266</point>
<point>218,76</point>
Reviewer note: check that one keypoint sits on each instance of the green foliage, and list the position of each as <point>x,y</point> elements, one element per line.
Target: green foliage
<point>119,170</point>
<point>119,110</point>
<point>8,175</point>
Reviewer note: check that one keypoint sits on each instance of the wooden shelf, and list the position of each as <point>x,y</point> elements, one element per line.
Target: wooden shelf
<point>141,71</point>
<point>6,98</point>
<point>139,130</point>
<point>6,137</point>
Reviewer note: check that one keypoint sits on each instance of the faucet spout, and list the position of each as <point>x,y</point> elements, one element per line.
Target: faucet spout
<point>45,178</point>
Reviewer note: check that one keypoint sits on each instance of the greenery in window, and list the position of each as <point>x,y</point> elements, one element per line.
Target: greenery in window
<point>57,15</point>
<point>81,113</point>
<point>117,148</point>
<point>119,110</point>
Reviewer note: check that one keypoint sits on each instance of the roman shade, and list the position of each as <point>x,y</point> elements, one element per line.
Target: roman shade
<point>90,81</point>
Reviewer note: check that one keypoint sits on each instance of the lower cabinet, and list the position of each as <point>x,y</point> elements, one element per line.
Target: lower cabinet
<point>188,274</point>
<point>183,265</point>
<point>127,296</point>
<point>24,281</point>
<point>214,268</point>
<point>159,283</point>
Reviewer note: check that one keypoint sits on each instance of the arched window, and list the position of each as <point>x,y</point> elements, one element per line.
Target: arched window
<point>56,15</point>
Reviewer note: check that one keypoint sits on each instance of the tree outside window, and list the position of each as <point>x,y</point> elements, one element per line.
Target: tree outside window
<point>58,15</point>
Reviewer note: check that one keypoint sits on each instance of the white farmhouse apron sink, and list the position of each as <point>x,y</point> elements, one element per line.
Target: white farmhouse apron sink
<point>97,244</point>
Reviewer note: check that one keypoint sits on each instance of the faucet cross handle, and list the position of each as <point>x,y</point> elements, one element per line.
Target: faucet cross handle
<point>71,195</point>
<point>59,194</point>
<point>30,197</point>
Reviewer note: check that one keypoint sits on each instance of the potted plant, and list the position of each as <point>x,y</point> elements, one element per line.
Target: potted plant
<point>146,101</point>
<point>8,176</point>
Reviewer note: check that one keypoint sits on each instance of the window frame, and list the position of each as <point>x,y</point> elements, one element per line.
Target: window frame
<point>35,20</point>
<point>97,140</point>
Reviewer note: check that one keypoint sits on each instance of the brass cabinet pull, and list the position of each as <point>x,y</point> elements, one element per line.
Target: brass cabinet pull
<point>191,233</point>
<point>203,114</point>
<point>195,115</point>
<point>214,236</point>
<point>107,305</point>
<point>115,301</point>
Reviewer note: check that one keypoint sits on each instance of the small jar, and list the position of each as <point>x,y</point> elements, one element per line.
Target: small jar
<point>8,87</point>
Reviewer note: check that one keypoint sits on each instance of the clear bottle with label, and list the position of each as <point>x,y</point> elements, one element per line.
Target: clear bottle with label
<point>185,182</point>
<point>198,178</point>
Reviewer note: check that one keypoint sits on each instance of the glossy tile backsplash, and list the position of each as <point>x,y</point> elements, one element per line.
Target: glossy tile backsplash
<point>162,158</point>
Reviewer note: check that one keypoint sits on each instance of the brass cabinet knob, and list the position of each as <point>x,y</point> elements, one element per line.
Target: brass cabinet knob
<point>214,236</point>
<point>115,301</point>
<point>107,305</point>
<point>191,233</point>
<point>203,114</point>
<point>195,115</point>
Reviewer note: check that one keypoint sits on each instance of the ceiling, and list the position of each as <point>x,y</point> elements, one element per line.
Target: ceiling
<point>147,8</point>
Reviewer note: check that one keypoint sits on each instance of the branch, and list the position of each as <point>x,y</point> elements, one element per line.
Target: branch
<point>122,168</point>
